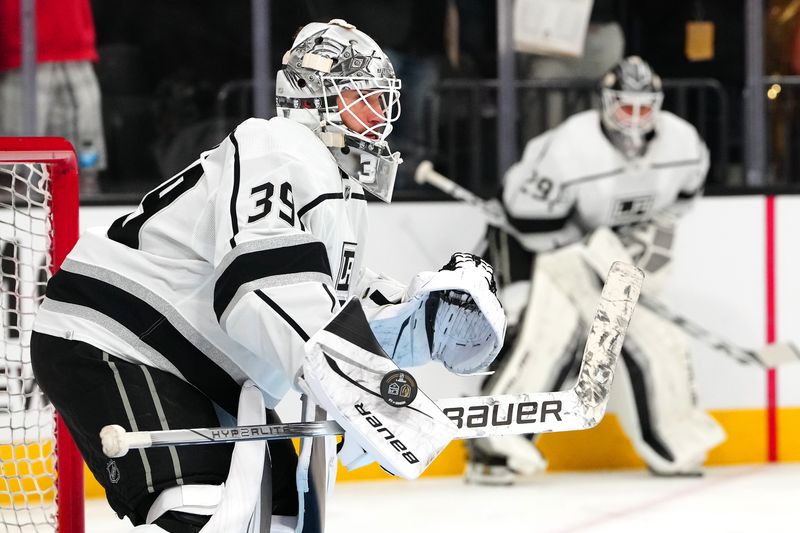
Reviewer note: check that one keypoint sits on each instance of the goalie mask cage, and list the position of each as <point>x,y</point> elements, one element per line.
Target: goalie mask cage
<point>41,471</point>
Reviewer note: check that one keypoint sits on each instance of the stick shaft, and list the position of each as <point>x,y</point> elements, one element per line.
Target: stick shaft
<point>426,174</point>
<point>491,210</point>
<point>182,437</point>
<point>703,335</point>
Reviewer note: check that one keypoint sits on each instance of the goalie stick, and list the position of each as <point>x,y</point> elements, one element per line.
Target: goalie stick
<point>770,356</point>
<point>492,209</point>
<point>581,407</point>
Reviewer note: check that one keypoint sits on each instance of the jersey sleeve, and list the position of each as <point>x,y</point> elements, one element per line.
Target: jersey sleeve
<point>273,287</point>
<point>390,311</point>
<point>537,203</point>
<point>376,289</point>
<point>693,184</point>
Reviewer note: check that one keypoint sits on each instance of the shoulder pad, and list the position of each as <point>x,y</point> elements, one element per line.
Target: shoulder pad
<point>308,163</point>
<point>678,135</point>
<point>673,125</point>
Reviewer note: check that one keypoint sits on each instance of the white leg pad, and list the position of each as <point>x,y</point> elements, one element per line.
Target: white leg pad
<point>544,339</point>
<point>514,298</point>
<point>242,490</point>
<point>564,292</point>
<point>232,506</point>
<point>545,343</point>
<point>686,431</point>
<point>660,350</point>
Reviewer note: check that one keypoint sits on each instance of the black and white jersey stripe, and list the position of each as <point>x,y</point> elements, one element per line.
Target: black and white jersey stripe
<point>235,192</point>
<point>268,263</point>
<point>147,322</point>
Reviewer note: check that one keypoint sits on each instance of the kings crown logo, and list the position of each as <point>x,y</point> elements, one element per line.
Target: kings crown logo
<point>404,391</point>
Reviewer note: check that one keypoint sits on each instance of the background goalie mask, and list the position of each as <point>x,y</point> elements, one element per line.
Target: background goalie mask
<point>631,99</point>
<point>335,74</point>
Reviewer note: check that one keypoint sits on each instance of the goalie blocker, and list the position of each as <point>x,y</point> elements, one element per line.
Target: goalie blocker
<point>379,406</point>
<point>345,370</point>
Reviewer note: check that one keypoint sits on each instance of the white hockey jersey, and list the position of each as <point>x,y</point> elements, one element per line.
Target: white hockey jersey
<point>572,180</point>
<point>225,270</point>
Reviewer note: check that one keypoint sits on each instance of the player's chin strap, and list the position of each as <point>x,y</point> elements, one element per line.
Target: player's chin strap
<point>373,164</point>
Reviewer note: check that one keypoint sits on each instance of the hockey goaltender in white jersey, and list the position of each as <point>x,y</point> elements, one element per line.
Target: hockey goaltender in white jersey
<point>197,307</point>
<point>633,169</point>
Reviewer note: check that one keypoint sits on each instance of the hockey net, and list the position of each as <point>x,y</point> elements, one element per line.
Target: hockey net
<point>41,472</point>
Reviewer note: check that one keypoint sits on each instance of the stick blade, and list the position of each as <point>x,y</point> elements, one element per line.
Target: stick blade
<point>624,282</point>
<point>604,343</point>
<point>581,407</point>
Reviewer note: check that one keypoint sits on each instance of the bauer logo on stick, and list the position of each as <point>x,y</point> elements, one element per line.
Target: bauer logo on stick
<point>398,388</point>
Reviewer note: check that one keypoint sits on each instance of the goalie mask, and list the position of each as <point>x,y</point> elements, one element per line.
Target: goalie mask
<point>631,99</point>
<point>338,82</point>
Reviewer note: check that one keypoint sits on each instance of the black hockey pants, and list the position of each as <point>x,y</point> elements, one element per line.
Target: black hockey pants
<point>92,389</point>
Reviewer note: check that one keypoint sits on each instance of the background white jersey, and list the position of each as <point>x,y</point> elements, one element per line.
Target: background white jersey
<point>223,271</point>
<point>572,180</point>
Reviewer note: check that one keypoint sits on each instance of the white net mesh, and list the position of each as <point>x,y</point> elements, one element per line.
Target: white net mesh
<point>27,460</point>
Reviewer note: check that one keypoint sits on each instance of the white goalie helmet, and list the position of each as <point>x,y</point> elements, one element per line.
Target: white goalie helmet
<point>631,96</point>
<point>338,82</point>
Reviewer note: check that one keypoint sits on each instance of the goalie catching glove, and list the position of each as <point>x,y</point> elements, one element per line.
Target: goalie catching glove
<point>379,406</point>
<point>452,316</point>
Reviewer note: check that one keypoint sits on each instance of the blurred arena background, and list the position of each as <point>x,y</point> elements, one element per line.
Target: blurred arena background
<point>176,75</point>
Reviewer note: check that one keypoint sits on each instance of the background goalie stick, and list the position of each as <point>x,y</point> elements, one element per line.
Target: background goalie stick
<point>769,356</point>
<point>581,407</point>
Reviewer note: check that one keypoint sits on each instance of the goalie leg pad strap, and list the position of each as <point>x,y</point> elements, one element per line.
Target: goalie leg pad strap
<point>242,490</point>
<point>193,499</point>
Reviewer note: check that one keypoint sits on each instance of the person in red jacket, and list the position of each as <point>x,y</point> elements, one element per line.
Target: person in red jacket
<point>67,91</point>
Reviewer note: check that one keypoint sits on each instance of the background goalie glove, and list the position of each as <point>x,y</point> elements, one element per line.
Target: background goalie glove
<point>379,406</point>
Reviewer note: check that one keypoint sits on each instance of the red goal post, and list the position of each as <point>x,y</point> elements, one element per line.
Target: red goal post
<point>41,470</point>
